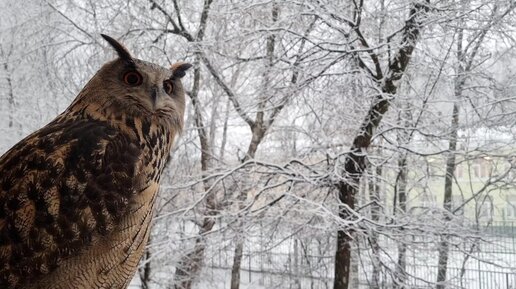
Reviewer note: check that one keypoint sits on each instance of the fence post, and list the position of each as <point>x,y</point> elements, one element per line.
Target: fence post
<point>296,265</point>
<point>262,253</point>
<point>479,275</point>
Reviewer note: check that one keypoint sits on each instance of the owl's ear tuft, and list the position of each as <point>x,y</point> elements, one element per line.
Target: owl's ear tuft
<point>179,69</point>
<point>120,49</point>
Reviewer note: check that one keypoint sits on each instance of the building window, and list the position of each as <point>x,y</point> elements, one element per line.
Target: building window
<point>459,172</point>
<point>510,207</point>
<point>428,200</point>
<point>458,201</point>
<point>485,209</point>
<point>477,171</point>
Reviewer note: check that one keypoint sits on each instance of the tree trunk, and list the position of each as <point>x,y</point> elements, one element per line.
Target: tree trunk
<point>374,197</point>
<point>353,168</point>
<point>355,161</point>
<point>258,134</point>
<point>442,263</point>
<point>10,93</point>
<point>296,265</point>
<point>146,270</point>
<point>237,262</point>
<point>401,185</point>
<point>190,264</point>
<point>466,55</point>
<point>258,129</point>
<point>224,132</point>
<point>400,190</point>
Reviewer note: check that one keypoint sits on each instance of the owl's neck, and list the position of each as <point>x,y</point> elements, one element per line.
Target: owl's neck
<point>150,131</point>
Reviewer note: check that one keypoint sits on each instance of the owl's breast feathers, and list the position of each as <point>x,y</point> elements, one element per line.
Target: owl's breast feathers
<point>66,185</point>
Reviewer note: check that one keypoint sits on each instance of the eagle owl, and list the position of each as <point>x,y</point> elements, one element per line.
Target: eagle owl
<point>77,196</point>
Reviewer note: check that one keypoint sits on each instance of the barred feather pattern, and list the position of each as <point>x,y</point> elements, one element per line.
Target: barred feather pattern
<point>70,186</point>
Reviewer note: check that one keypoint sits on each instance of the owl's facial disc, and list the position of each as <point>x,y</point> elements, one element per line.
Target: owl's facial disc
<point>146,88</point>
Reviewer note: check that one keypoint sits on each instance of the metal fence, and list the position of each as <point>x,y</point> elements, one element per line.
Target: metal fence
<point>295,262</point>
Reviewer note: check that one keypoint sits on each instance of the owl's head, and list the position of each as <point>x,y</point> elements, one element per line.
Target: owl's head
<point>132,87</point>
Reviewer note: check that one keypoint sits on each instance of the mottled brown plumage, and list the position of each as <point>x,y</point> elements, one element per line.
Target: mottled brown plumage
<point>77,196</point>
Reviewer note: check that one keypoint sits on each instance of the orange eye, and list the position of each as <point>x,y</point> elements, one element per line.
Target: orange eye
<point>133,78</point>
<point>168,86</point>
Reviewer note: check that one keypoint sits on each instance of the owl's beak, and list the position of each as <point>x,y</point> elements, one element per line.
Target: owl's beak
<point>157,98</point>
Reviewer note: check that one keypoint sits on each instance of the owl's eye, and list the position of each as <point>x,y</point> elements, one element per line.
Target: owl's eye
<point>168,86</point>
<point>133,78</point>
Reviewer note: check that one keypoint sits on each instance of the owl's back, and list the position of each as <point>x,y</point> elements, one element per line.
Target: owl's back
<point>62,189</point>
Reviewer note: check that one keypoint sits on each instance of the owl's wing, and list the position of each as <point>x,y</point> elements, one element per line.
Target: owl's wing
<point>60,187</point>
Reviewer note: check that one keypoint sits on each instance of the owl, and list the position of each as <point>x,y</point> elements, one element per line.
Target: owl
<point>77,196</point>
